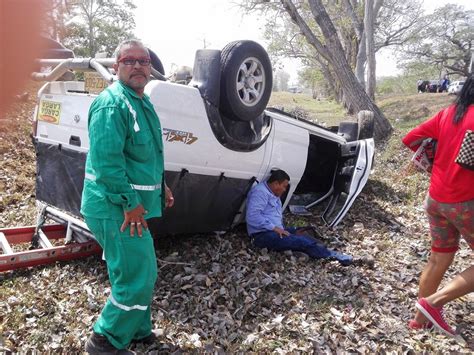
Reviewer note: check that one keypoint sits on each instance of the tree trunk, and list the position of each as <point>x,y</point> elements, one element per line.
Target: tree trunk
<point>360,32</point>
<point>369,36</point>
<point>354,93</point>
<point>471,63</point>
<point>361,59</point>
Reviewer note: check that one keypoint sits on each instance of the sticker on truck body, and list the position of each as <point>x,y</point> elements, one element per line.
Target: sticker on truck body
<point>49,111</point>
<point>94,83</point>
<point>172,135</point>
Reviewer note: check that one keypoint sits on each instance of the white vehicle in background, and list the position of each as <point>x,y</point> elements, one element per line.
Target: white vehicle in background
<point>295,89</point>
<point>455,87</point>
<point>219,140</point>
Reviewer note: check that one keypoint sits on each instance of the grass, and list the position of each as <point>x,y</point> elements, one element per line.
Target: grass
<point>403,111</point>
<point>408,108</point>
<point>320,111</point>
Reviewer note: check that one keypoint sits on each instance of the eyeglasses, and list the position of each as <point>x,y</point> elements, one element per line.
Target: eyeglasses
<point>132,61</point>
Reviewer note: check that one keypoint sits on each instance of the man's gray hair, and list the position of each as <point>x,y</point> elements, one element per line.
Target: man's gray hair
<point>129,42</point>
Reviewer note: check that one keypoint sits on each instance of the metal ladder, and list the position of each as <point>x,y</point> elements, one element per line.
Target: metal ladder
<point>78,241</point>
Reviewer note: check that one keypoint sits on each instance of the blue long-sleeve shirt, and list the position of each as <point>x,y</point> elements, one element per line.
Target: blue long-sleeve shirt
<point>264,210</point>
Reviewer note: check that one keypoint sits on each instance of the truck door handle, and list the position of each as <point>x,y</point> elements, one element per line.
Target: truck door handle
<point>75,140</point>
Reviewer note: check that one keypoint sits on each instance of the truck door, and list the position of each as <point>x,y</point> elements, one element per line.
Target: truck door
<point>354,166</point>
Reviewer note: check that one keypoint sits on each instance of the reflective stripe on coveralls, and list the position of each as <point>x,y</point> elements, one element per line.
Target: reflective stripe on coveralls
<point>146,187</point>
<point>126,308</point>
<point>136,127</point>
<point>134,186</point>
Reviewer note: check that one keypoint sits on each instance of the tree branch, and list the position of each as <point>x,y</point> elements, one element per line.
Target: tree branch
<point>306,31</point>
<point>357,24</point>
<point>377,6</point>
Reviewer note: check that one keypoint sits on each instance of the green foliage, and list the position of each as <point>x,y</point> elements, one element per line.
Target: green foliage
<point>91,26</point>
<point>313,78</point>
<point>395,85</point>
<point>419,70</point>
<point>406,82</point>
<point>397,22</point>
<point>443,40</point>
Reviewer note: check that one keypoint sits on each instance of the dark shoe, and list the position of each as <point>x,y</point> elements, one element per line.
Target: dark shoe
<point>99,345</point>
<point>150,339</point>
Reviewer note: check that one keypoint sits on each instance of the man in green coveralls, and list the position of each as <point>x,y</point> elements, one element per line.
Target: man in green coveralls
<point>124,186</point>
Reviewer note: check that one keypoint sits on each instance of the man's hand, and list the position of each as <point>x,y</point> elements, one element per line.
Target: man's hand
<point>135,219</point>
<point>281,232</point>
<point>169,199</point>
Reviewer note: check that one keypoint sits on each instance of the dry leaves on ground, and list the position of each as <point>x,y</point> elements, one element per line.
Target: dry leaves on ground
<point>216,293</point>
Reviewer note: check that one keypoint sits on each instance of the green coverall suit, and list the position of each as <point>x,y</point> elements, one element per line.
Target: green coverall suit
<point>124,168</point>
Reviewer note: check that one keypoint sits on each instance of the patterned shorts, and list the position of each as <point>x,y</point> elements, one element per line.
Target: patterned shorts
<point>448,221</point>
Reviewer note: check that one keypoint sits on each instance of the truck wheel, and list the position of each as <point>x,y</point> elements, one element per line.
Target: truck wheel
<point>156,62</point>
<point>246,80</point>
<point>366,124</point>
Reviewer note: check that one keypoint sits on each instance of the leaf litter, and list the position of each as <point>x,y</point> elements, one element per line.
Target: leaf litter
<point>218,294</point>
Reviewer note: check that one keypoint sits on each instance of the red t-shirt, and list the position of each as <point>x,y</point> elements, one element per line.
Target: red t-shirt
<point>450,183</point>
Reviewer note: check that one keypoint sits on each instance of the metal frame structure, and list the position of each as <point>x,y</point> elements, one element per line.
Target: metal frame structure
<point>78,241</point>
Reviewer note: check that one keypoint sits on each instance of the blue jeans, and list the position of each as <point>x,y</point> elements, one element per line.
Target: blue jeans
<point>303,243</point>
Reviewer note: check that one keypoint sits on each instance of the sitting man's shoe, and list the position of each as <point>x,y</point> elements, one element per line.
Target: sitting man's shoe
<point>150,339</point>
<point>99,345</point>
<point>435,316</point>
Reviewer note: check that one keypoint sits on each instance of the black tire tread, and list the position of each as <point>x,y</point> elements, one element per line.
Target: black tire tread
<point>156,62</point>
<point>366,127</point>
<point>225,57</point>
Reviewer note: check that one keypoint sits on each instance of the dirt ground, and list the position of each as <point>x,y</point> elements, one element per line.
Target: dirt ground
<point>216,293</point>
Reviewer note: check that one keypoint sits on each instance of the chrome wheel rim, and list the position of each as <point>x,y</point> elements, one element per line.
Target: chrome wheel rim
<point>250,81</point>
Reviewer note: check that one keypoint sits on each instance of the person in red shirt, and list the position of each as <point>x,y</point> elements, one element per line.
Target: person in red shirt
<point>449,206</point>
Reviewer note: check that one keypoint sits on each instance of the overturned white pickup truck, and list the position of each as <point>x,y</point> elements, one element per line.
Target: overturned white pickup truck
<point>219,139</point>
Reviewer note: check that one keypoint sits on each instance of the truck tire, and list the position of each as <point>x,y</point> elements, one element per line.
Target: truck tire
<point>366,124</point>
<point>52,49</point>
<point>246,80</point>
<point>349,130</point>
<point>156,62</point>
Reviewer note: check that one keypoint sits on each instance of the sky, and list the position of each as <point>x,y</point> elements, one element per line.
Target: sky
<point>175,29</point>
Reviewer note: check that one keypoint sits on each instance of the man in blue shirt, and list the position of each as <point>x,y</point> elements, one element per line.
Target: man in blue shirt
<point>265,222</point>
